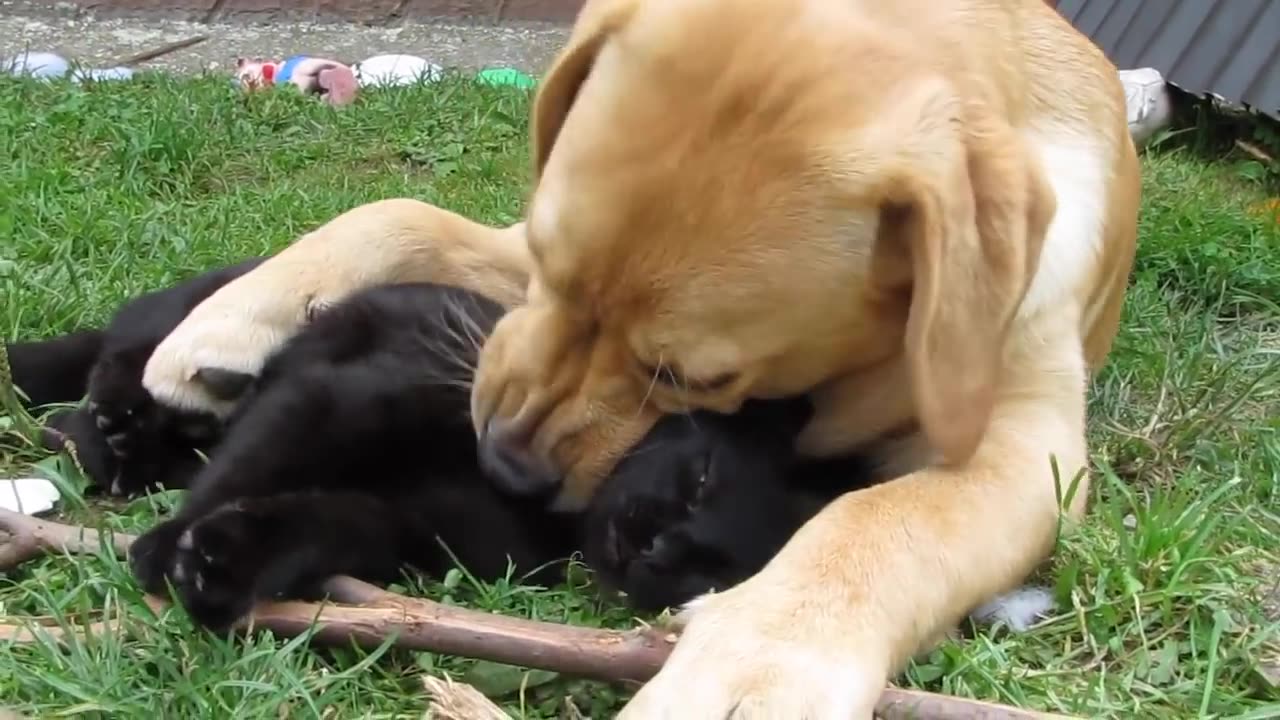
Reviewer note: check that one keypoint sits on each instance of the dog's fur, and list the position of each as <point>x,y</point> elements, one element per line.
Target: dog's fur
<point>923,213</point>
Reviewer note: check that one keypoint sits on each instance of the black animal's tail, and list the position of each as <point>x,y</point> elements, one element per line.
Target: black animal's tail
<point>54,370</point>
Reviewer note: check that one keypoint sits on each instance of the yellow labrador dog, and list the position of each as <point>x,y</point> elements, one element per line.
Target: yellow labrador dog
<point>921,212</point>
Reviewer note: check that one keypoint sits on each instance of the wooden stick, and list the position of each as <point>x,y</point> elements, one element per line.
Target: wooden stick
<point>153,53</point>
<point>368,615</point>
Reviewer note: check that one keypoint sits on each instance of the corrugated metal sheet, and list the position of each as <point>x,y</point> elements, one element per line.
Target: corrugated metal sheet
<point>1227,47</point>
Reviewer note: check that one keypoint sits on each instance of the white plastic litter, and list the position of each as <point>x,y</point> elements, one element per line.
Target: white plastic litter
<point>36,64</point>
<point>1147,97</point>
<point>99,74</point>
<point>52,66</point>
<point>29,496</point>
<point>395,69</point>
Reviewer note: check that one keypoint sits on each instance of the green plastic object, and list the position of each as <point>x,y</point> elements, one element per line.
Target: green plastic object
<point>505,76</point>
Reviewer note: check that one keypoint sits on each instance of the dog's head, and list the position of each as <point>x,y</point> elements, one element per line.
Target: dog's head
<point>733,205</point>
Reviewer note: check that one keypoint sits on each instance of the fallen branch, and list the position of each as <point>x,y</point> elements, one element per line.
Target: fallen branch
<point>23,538</point>
<point>368,615</point>
<point>148,55</point>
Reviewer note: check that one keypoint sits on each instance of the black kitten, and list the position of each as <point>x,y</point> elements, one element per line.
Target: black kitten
<point>353,451</point>
<point>126,442</point>
<point>705,500</point>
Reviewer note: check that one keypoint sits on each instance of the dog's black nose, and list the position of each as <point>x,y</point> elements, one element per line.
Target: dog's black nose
<point>510,463</point>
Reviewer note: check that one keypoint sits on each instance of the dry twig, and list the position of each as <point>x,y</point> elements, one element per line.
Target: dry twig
<point>368,615</point>
<point>449,700</point>
<point>153,53</point>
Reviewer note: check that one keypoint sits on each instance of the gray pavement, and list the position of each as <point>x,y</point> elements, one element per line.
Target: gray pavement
<point>99,42</point>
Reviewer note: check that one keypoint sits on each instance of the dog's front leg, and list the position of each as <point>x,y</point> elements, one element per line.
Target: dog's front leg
<point>883,573</point>
<point>226,339</point>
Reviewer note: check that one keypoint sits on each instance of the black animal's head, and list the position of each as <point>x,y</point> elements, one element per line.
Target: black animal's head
<point>701,503</point>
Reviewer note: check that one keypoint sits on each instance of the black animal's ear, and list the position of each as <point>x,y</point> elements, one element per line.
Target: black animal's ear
<point>223,384</point>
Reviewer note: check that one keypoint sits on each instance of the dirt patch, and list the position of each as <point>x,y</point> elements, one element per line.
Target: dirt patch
<point>100,41</point>
<point>376,12</point>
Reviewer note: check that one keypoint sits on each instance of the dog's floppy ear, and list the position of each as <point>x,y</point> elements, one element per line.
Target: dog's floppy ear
<point>559,87</point>
<point>970,205</point>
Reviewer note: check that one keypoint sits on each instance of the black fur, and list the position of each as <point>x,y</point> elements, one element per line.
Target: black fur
<point>54,370</point>
<point>352,453</point>
<point>125,441</point>
<point>706,500</point>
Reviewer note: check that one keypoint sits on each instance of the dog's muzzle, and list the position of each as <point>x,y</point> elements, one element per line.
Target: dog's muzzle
<point>510,463</point>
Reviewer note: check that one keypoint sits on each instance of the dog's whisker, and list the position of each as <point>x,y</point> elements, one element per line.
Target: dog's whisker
<point>648,392</point>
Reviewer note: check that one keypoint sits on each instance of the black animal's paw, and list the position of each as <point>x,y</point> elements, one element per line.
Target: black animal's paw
<point>152,446</point>
<point>650,548</point>
<point>122,409</point>
<point>151,555</point>
<point>224,562</point>
<point>122,426</point>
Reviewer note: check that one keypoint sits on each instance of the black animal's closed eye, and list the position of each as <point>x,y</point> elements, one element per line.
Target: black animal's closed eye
<point>698,477</point>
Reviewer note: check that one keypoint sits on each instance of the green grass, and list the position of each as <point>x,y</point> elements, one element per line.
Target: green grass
<point>112,190</point>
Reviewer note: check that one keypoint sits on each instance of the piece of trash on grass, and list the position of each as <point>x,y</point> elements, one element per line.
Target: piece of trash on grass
<point>99,74</point>
<point>335,82</point>
<point>51,66</point>
<point>395,69</point>
<point>1146,95</point>
<point>36,64</point>
<point>505,76</point>
<point>29,496</point>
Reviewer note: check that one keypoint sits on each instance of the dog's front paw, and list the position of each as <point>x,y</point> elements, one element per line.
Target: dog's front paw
<point>210,361</point>
<point>749,653</point>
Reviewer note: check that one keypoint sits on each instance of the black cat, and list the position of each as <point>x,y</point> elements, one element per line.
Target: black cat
<point>126,442</point>
<point>353,453</point>
<point>706,500</point>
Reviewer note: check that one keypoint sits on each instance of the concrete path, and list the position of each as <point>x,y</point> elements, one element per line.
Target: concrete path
<point>40,25</point>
